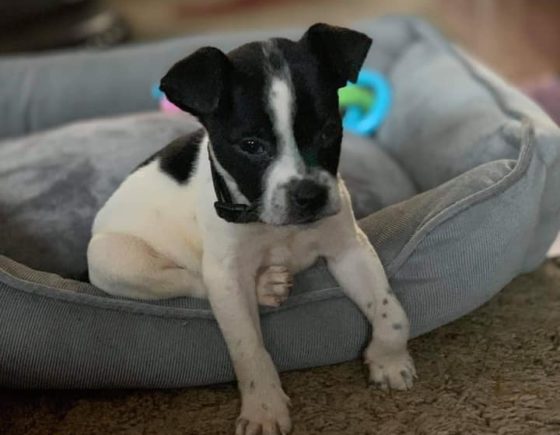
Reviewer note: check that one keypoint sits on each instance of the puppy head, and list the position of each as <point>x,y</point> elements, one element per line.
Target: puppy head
<point>272,116</point>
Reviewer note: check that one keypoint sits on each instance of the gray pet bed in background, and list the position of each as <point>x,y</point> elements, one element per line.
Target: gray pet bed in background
<point>459,193</point>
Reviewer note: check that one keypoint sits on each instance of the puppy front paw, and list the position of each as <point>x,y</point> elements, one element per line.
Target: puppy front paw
<point>273,285</point>
<point>390,370</point>
<point>264,414</point>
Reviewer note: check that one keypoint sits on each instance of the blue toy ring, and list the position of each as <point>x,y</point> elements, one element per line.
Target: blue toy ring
<point>364,124</point>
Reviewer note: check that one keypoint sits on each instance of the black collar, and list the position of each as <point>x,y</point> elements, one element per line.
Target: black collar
<point>225,208</point>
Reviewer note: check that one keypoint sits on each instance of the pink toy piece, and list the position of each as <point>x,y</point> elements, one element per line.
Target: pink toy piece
<point>166,106</point>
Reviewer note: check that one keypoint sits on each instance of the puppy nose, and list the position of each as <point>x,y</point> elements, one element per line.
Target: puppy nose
<point>308,195</point>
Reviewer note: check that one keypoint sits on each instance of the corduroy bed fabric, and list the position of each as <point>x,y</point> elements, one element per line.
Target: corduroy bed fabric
<point>478,166</point>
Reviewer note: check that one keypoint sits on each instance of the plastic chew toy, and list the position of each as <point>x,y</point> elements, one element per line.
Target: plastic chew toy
<point>366,104</point>
<point>164,104</point>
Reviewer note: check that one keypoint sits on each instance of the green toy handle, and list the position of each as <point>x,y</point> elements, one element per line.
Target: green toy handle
<point>355,95</point>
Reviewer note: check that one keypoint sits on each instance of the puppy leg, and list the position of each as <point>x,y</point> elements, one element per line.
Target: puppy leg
<point>124,265</point>
<point>232,295</point>
<point>360,273</point>
<point>273,285</point>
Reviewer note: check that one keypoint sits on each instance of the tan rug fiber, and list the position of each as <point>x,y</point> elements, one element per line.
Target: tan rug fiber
<point>496,371</point>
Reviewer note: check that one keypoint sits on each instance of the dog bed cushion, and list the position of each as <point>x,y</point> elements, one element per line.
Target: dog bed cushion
<point>459,191</point>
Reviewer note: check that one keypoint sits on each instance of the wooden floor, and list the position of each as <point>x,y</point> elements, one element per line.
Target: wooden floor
<point>519,38</point>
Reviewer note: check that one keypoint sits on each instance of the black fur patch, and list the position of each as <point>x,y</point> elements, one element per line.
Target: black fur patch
<point>178,158</point>
<point>243,114</point>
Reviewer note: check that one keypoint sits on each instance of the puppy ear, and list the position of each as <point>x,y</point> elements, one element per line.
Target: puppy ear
<point>343,50</point>
<point>196,83</point>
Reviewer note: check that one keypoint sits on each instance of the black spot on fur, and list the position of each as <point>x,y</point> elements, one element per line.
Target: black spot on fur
<point>369,304</point>
<point>385,301</point>
<point>397,326</point>
<point>384,315</point>
<point>179,157</point>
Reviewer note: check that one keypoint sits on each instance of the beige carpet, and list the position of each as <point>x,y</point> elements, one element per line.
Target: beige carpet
<point>495,371</point>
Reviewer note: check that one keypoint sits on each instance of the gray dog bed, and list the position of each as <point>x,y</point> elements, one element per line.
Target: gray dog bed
<point>459,191</point>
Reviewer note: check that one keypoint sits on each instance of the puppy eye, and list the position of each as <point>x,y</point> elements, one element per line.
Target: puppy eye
<point>252,146</point>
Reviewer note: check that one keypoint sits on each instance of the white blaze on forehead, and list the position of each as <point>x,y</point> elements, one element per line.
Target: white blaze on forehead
<point>281,111</point>
<point>288,164</point>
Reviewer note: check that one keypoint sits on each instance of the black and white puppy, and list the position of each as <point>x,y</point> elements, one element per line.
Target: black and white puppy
<point>233,211</point>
